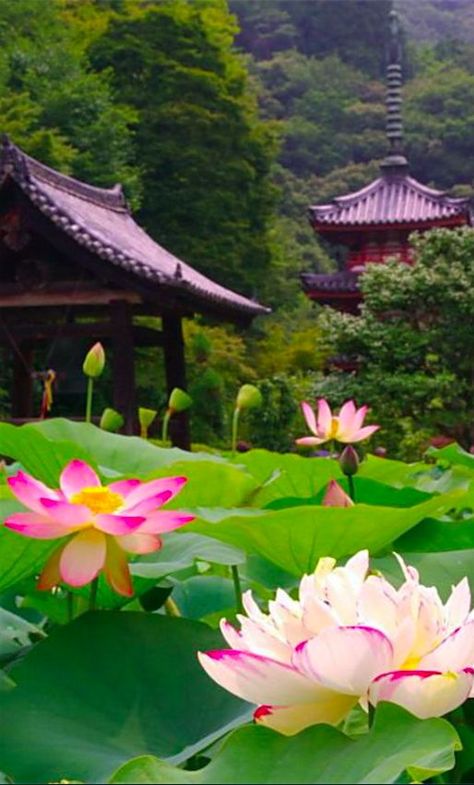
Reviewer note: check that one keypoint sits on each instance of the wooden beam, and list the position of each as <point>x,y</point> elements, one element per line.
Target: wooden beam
<point>48,297</point>
<point>40,332</point>
<point>123,364</point>
<point>175,368</point>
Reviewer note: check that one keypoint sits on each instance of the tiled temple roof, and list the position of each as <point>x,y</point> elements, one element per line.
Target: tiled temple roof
<point>331,283</point>
<point>99,220</point>
<point>393,198</point>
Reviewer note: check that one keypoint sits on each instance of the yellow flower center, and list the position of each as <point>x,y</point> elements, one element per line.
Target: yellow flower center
<point>98,500</point>
<point>411,664</point>
<point>333,428</point>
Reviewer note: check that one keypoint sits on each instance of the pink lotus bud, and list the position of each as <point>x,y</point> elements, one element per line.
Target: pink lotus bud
<point>94,362</point>
<point>336,497</point>
<point>349,461</point>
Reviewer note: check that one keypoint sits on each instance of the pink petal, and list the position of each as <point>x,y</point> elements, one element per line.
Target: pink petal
<point>336,497</point>
<point>423,693</point>
<point>118,524</point>
<point>293,719</point>
<point>309,441</point>
<point>83,557</point>
<point>345,659</point>
<point>309,416</point>
<point>69,515</point>
<point>30,524</point>
<point>346,416</point>
<point>116,569</point>
<point>50,576</point>
<point>76,476</point>
<point>124,487</point>
<point>139,543</point>
<point>165,521</point>
<point>364,433</point>
<point>359,417</point>
<point>260,679</point>
<point>29,491</point>
<point>150,495</point>
<point>324,418</point>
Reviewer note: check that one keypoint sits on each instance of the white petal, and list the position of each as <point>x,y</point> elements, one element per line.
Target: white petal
<point>454,653</point>
<point>424,693</point>
<point>458,605</point>
<point>289,720</point>
<point>345,659</point>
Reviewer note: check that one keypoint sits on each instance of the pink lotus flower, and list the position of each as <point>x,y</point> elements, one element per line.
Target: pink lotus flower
<point>106,523</point>
<point>349,639</point>
<point>335,496</point>
<point>346,427</point>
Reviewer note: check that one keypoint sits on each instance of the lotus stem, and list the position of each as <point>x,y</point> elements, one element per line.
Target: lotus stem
<point>164,432</point>
<point>350,480</point>
<point>171,608</point>
<point>93,594</point>
<point>90,388</point>
<point>237,588</point>
<point>235,428</point>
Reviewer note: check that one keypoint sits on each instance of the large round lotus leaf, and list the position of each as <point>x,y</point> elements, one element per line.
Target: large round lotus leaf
<point>398,742</point>
<point>109,687</point>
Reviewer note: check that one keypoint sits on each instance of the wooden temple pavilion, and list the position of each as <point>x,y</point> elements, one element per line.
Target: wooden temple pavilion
<point>74,262</point>
<point>375,222</point>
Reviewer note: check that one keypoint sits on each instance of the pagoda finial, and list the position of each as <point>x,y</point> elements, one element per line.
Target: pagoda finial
<point>395,159</point>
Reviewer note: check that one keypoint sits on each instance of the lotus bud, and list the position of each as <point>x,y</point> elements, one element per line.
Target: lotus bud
<point>336,497</point>
<point>249,397</point>
<point>94,362</point>
<point>145,418</point>
<point>111,420</point>
<point>349,461</point>
<point>179,401</point>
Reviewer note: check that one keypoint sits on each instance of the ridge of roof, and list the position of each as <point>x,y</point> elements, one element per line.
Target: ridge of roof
<point>93,218</point>
<point>12,155</point>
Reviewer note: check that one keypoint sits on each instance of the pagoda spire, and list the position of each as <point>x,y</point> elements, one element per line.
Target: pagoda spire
<point>395,161</point>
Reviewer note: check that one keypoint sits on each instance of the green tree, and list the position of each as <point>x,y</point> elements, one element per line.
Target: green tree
<point>204,154</point>
<point>412,342</point>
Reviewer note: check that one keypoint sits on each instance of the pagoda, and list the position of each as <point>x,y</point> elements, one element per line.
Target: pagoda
<point>375,223</point>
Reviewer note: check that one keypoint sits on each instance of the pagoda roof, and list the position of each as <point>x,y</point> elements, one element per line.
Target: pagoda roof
<point>393,198</point>
<point>99,220</point>
<point>341,282</point>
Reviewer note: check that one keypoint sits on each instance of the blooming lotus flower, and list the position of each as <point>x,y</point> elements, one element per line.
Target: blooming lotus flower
<point>346,427</point>
<point>350,638</point>
<point>105,522</point>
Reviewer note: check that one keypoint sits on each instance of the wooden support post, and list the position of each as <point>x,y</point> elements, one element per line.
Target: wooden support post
<point>123,364</point>
<point>22,383</point>
<point>175,368</point>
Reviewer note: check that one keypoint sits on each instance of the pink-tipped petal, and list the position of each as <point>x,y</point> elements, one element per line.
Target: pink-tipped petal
<point>346,417</point>
<point>29,491</point>
<point>124,487</point>
<point>309,441</point>
<point>165,521</point>
<point>309,416</point>
<point>76,476</point>
<point>423,693</point>
<point>50,576</point>
<point>67,514</point>
<point>139,543</point>
<point>118,524</point>
<point>336,497</point>
<point>116,569</point>
<point>30,524</point>
<point>345,659</point>
<point>83,558</point>
<point>324,418</point>
<point>364,433</point>
<point>454,653</point>
<point>290,720</point>
<point>149,495</point>
<point>259,679</point>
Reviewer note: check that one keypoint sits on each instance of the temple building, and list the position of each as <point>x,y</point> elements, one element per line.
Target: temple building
<point>75,267</point>
<point>375,222</point>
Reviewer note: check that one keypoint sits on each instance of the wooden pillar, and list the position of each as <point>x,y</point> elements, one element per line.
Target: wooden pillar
<point>22,382</point>
<point>175,369</point>
<point>123,364</point>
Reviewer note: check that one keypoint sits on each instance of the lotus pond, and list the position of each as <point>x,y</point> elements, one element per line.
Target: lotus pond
<point>196,618</point>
